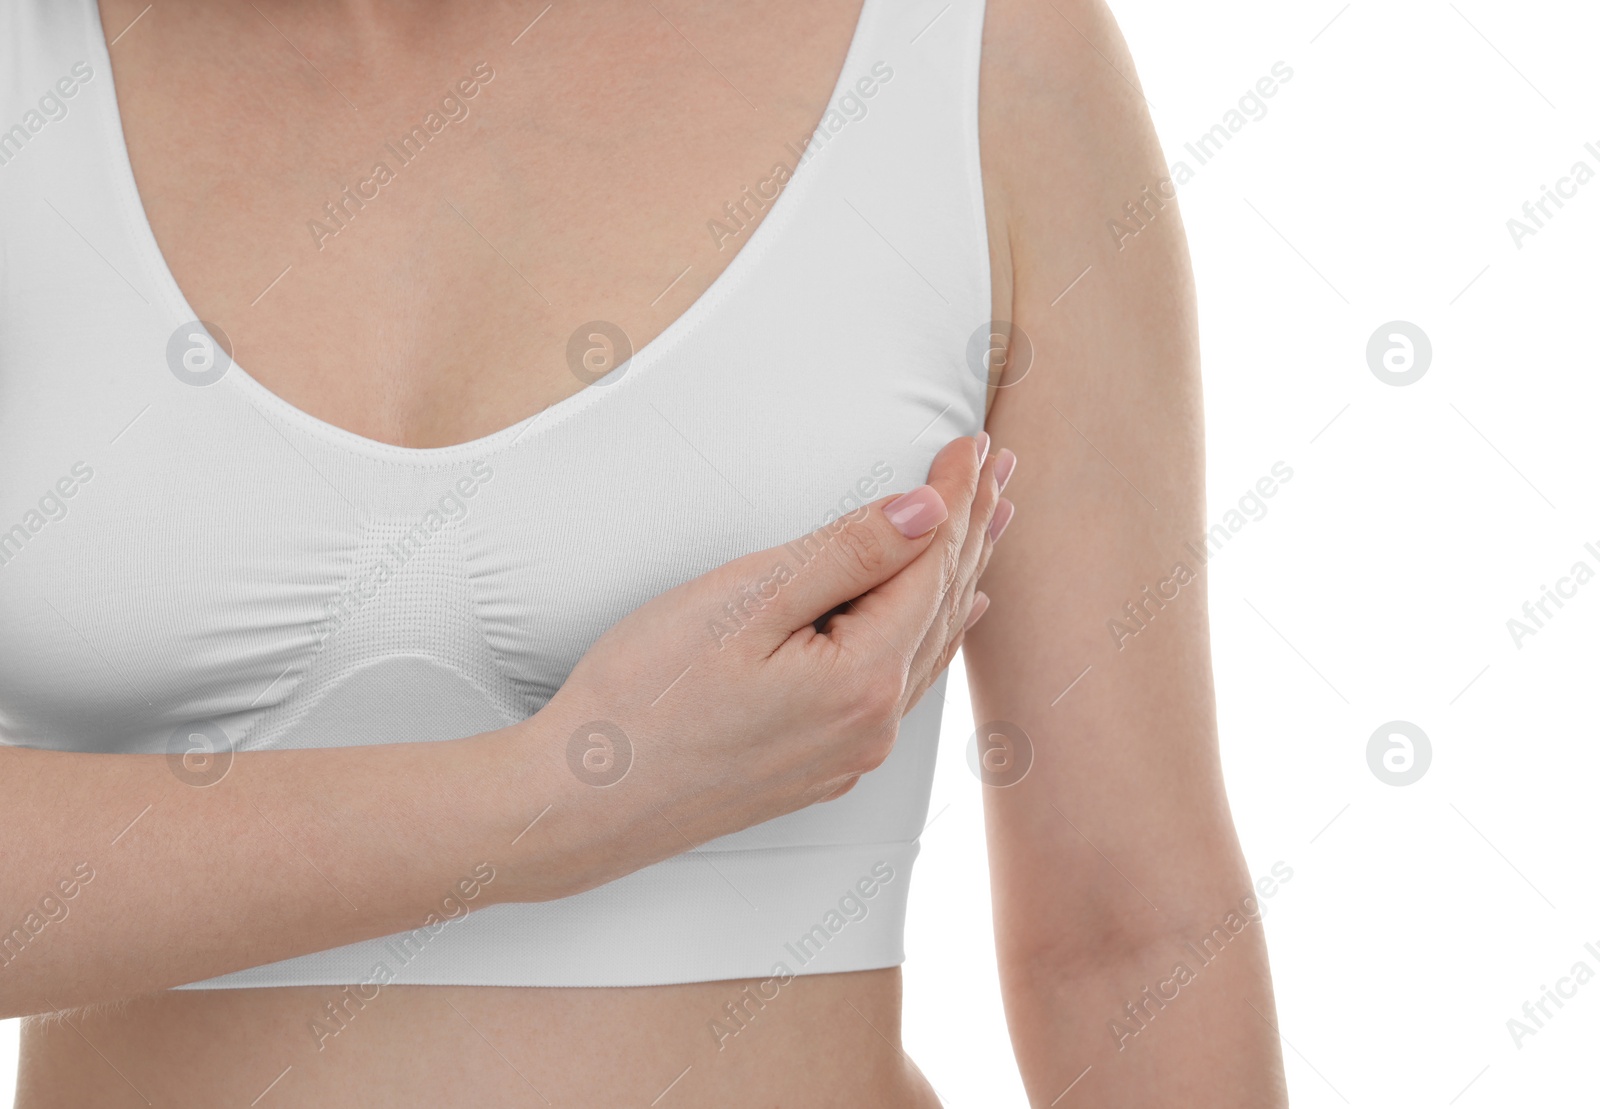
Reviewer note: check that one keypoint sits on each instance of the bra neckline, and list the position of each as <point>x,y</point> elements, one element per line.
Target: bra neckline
<point>178,306</point>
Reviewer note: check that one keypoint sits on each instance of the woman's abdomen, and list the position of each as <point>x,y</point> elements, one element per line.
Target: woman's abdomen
<point>813,1040</point>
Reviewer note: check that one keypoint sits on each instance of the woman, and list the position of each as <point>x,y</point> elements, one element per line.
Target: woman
<point>285,283</point>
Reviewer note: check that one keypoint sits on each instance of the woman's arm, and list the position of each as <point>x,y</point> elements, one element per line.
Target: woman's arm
<point>117,877</point>
<point>1116,851</point>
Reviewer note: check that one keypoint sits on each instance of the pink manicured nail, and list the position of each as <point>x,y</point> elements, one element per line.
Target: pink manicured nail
<point>983,446</point>
<point>917,512</point>
<point>980,605</point>
<point>1003,466</point>
<point>1002,517</point>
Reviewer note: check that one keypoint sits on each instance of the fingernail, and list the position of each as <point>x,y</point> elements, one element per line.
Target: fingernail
<point>1002,517</point>
<point>1003,465</point>
<point>980,605</point>
<point>983,446</point>
<point>917,512</point>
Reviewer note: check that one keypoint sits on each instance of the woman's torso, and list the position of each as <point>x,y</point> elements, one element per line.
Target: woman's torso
<point>608,169</point>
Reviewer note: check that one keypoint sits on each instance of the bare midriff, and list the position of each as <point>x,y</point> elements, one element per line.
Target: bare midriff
<point>819,1040</point>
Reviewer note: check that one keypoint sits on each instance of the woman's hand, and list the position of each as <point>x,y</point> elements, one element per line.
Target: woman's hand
<point>683,724</point>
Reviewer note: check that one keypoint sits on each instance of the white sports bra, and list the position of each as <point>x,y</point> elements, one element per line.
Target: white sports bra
<point>184,554</point>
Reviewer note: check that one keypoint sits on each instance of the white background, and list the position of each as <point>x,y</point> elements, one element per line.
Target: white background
<point>1419,520</point>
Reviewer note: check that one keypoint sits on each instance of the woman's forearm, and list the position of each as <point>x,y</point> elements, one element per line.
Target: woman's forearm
<point>118,878</point>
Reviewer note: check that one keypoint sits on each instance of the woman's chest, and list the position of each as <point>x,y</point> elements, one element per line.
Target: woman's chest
<point>180,541</point>
<point>411,234</point>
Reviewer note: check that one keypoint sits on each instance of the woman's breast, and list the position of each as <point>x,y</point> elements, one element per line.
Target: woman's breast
<point>228,559</point>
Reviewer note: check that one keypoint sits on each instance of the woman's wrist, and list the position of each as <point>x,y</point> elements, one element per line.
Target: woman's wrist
<point>553,825</point>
